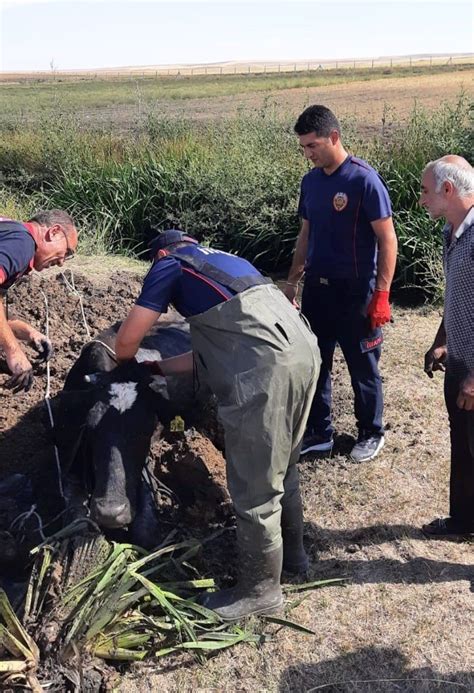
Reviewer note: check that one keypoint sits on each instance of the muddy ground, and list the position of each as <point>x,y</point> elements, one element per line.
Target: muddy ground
<point>79,305</point>
<point>404,619</point>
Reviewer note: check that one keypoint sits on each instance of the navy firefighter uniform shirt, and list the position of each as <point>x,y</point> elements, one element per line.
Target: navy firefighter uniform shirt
<point>174,281</point>
<point>17,249</point>
<point>340,208</point>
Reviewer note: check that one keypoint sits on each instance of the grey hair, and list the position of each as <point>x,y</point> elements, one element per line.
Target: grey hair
<point>53,216</point>
<point>460,177</point>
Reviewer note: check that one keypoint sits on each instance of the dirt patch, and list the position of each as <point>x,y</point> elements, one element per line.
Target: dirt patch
<point>403,619</point>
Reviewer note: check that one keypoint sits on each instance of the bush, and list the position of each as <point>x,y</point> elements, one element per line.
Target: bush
<point>234,183</point>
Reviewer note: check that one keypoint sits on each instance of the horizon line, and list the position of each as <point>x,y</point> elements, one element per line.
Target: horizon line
<point>236,63</point>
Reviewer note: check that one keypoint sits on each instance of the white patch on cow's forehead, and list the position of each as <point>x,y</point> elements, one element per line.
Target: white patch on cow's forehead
<point>123,395</point>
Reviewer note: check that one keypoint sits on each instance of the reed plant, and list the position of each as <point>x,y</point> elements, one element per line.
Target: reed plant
<point>231,183</point>
<point>88,598</point>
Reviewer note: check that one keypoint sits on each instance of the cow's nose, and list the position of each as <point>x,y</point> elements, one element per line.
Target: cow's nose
<point>112,515</point>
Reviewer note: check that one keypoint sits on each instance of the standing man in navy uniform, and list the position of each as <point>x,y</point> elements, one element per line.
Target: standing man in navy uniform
<point>261,361</point>
<point>347,250</point>
<point>47,239</point>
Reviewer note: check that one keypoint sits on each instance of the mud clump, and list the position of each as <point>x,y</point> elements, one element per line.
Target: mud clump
<point>194,469</point>
<point>76,308</point>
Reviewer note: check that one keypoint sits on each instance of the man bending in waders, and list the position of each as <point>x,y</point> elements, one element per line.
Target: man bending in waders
<point>262,362</point>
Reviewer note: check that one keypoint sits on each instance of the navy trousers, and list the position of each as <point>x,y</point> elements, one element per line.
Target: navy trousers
<point>337,312</point>
<point>461,422</point>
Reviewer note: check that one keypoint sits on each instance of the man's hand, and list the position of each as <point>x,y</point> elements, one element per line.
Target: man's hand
<point>435,359</point>
<point>41,345</point>
<point>378,309</point>
<point>22,372</point>
<point>465,398</point>
<point>290,289</point>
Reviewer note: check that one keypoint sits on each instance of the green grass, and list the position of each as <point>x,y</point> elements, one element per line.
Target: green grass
<point>231,183</point>
<point>33,97</point>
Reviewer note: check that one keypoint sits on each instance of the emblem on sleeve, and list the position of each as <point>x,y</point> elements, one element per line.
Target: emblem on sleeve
<point>340,201</point>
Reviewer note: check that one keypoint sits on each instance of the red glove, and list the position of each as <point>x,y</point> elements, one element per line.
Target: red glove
<point>378,309</point>
<point>154,367</point>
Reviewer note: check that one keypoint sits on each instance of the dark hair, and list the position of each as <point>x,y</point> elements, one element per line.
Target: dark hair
<point>52,217</point>
<point>318,119</point>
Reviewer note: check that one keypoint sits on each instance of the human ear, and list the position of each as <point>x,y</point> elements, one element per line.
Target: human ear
<point>53,232</point>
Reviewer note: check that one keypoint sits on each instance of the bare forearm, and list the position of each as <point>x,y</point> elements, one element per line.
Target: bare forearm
<point>125,349</point>
<point>440,337</point>
<point>135,326</point>
<point>301,251</point>
<point>21,329</point>
<point>8,341</point>
<point>177,365</point>
<point>386,262</point>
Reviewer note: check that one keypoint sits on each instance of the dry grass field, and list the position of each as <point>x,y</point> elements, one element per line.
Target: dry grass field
<point>360,100</point>
<point>391,99</point>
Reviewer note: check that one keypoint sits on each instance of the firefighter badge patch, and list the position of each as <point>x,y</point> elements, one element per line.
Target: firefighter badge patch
<point>339,201</point>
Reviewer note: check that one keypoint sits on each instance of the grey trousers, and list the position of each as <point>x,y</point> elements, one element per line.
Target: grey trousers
<point>262,362</point>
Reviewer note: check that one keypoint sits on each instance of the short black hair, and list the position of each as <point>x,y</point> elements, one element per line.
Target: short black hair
<point>52,217</point>
<point>318,119</point>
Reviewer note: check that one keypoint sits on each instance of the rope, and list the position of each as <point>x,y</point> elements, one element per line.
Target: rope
<point>23,517</point>
<point>47,397</point>
<point>106,346</point>
<point>72,288</point>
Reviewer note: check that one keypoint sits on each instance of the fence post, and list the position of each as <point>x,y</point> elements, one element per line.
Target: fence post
<point>279,68</point>
<point>372,64</point>
<point>294,70</point>
<point>337,64</point>
<point>221,70</point>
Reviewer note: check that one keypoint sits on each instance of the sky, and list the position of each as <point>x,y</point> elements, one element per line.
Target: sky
<point>67,34</point>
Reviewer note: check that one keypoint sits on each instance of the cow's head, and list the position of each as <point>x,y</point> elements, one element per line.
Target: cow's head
<point>106,427</point>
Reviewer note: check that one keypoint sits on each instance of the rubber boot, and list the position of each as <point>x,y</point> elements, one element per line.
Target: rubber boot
<point>257,590</point>
<point>295,558</point>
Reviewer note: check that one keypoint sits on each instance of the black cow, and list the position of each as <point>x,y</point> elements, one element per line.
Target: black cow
<point>107,415</point>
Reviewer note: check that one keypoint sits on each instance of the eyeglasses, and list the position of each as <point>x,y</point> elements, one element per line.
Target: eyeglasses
<point>69,251</point>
